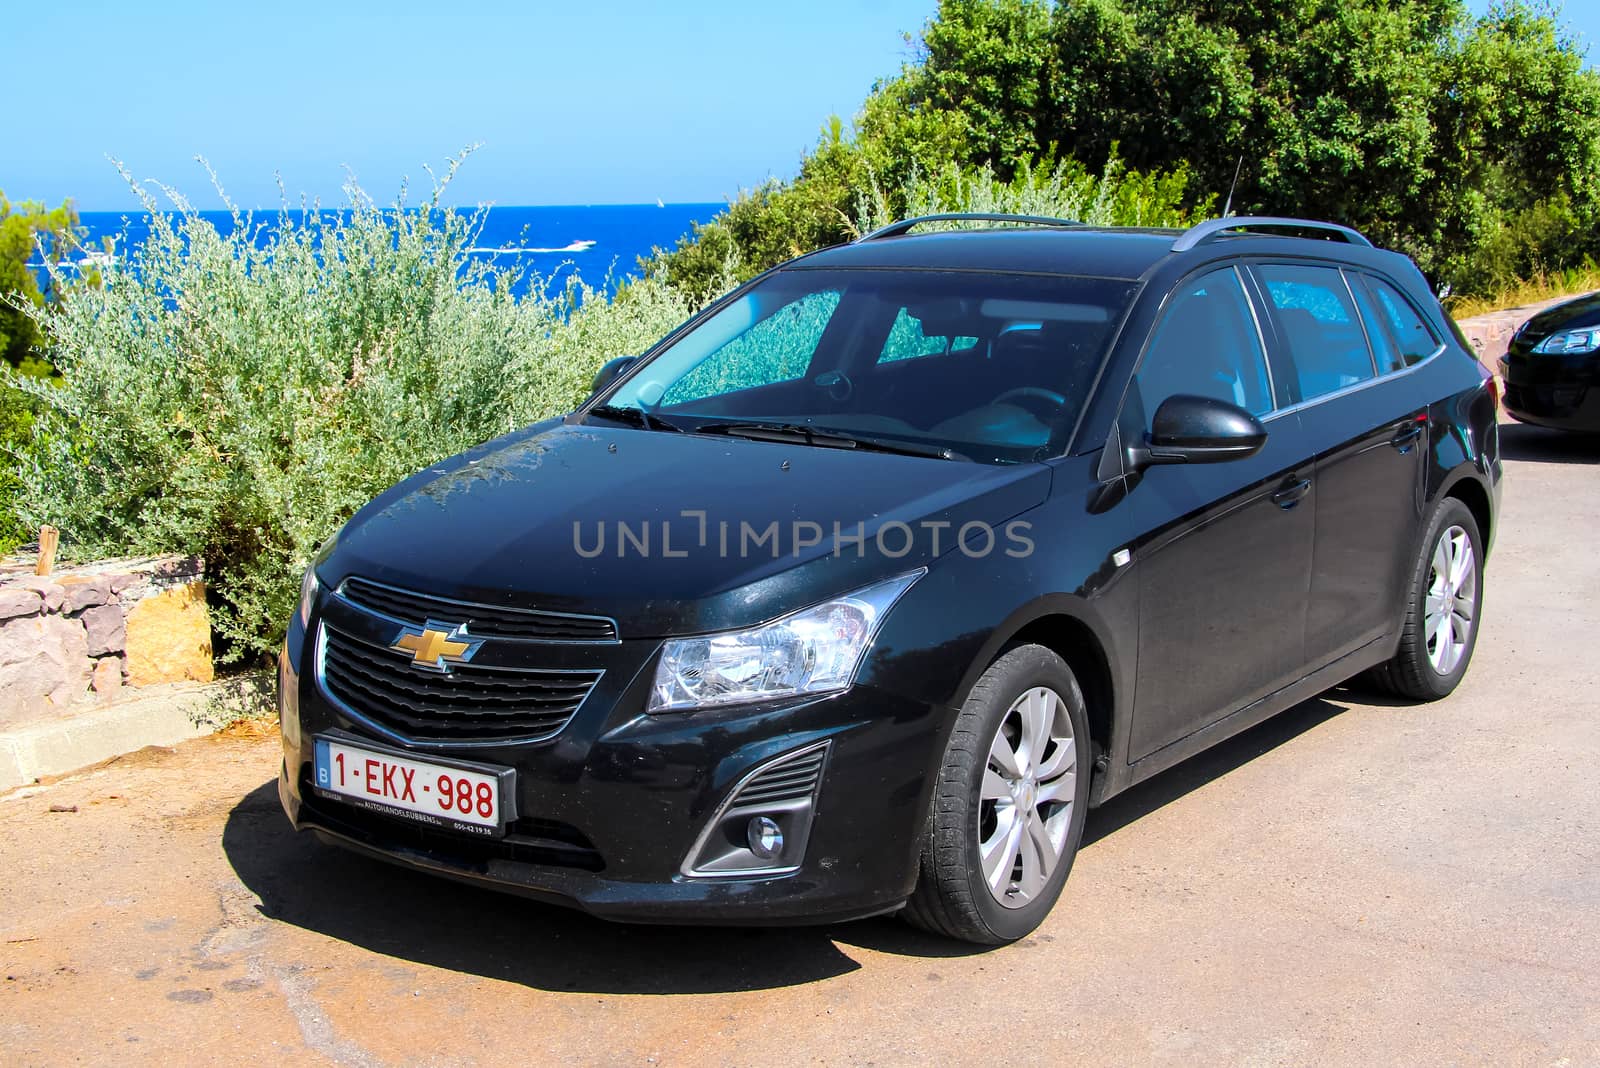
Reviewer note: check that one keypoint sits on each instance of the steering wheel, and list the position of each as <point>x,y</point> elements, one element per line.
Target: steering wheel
<point>1033,393</point>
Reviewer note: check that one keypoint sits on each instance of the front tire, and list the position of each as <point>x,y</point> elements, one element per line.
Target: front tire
<point>1009,804</point>
<point>1440,628</point>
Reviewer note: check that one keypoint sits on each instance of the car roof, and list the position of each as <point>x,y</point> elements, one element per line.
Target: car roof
<point>1127,253</point>
<point>1102,253</point>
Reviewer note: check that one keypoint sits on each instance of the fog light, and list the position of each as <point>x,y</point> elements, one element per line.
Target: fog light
<point>765,837</point>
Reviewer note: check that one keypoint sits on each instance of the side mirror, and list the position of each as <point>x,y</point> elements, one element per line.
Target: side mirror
<point>1198,430</point>
<point>609,371</point>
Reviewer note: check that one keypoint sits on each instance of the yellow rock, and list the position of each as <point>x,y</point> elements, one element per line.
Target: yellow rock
<point>169,637</point>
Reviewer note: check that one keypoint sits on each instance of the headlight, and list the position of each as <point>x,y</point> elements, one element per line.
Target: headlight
<point>308,594</point>
<point>815,650</point>
<point>1571,342</point>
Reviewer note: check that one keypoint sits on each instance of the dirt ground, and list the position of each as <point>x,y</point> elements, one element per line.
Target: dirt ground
<point>1352,882</point>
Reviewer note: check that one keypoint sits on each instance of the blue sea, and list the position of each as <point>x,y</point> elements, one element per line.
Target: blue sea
<point>597,240</point>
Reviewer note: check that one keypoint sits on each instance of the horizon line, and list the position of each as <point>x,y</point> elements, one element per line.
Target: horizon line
<point>490,205</point>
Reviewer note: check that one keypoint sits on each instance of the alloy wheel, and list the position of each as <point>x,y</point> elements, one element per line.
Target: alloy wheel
<point>1025,802</point>
<point>1450,611</point>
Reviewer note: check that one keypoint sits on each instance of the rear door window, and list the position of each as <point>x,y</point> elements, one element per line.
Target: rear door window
<point>1316,317</point>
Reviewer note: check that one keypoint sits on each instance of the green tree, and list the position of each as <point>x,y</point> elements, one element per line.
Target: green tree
<point>990,62</point>
<point>26,227</point>
<point>1522,155</point>
<point>1471,143</point>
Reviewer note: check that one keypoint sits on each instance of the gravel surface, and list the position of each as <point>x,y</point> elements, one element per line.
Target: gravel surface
<point>1351,882</point>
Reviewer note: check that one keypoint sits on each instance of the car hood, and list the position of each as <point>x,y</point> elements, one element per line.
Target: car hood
<point>668,533</point>
<point>1571,315</point>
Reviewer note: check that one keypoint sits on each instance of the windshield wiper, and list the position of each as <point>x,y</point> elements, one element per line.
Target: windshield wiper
<point>634,417</point>
<point>828,438</point>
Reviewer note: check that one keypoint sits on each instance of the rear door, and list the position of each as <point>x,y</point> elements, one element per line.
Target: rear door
<point>1224,573</point>
<point>1336,359</point>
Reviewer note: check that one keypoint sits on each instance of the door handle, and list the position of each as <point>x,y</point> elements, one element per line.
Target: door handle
<point>1292,494</point>
<point>1403,440</point>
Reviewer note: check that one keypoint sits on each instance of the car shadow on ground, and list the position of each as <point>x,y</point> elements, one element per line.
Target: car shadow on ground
<point>412,916</point>
<point>1520,441</point>
<point>1168,786</point>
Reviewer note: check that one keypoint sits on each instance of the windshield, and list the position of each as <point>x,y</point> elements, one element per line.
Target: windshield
<point>984,365</point>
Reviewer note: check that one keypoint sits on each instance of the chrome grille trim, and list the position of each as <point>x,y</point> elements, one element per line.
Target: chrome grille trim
<point>788,779</point>
<point>468,707</point>
<point>485,620</point>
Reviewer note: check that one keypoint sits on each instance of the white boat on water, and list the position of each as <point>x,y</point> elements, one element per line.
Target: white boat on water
<point>581,245</point>
<point>92,260</point>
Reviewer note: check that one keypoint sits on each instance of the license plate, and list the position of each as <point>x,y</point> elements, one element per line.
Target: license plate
<point>443,795</point>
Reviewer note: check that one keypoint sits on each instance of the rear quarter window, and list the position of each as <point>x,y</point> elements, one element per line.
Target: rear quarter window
<point>1413,336</point>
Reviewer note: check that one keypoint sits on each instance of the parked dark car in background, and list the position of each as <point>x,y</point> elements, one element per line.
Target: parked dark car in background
<point>856,592</point>
<point>1552,367</point>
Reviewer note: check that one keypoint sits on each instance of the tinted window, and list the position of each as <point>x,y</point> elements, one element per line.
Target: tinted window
<point>907,340</point>
<point>988,365</point>
<point>1207,344</point>
<point>1411,332</point>
<point>1325,341</point>
<point>1385,350</point>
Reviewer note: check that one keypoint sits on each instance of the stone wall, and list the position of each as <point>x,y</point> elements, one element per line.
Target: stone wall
<point>84,634</point>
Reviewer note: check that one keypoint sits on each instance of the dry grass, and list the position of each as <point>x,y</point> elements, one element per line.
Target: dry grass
<point>1545,286</point>
<point>262,725</point>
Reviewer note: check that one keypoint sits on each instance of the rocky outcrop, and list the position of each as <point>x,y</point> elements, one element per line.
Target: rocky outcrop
<point>87,633</point>
<point>44,661</point>
<point>169,636</point>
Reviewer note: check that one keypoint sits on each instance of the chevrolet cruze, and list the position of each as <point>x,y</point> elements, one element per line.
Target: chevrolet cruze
<point>855,593</point>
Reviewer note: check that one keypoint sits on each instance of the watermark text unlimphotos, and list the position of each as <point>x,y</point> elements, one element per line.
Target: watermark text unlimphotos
<point>694,532</point>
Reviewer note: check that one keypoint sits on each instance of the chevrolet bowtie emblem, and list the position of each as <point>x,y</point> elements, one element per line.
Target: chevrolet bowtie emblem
<point>437,645</point>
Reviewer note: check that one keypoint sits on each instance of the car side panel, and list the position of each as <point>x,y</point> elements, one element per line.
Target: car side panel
<point>938,655</point>
<point>1369,508</point>
<point>1223,578</point>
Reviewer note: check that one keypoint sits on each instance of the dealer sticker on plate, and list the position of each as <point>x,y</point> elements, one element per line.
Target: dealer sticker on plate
<point>442,795</point>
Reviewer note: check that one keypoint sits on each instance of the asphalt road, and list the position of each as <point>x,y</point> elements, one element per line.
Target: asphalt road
<point>1352,882</point>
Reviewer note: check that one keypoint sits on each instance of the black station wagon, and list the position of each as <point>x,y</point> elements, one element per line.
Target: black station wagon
<point>855,593</point>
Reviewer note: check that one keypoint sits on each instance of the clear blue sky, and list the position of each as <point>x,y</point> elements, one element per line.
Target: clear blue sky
<point>574,102</point>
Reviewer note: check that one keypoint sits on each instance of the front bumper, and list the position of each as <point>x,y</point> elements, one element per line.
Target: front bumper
<point>610,809</point>
<point>1552,390</point>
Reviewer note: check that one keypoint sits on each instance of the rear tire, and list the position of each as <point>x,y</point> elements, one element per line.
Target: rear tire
<point>1009,804</point>
<point>1443,607</point>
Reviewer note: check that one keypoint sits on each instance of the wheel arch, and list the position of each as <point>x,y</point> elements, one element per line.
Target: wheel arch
<point>1470,492</point>
<point>1068,627</point>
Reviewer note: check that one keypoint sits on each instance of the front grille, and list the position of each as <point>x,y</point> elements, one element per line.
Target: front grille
<point>469,704</point>
<point>787,780</point>
<point>482,620</point>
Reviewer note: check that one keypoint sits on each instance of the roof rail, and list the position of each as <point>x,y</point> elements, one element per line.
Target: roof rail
<point>1203,232</point>
<point>904,225</point>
